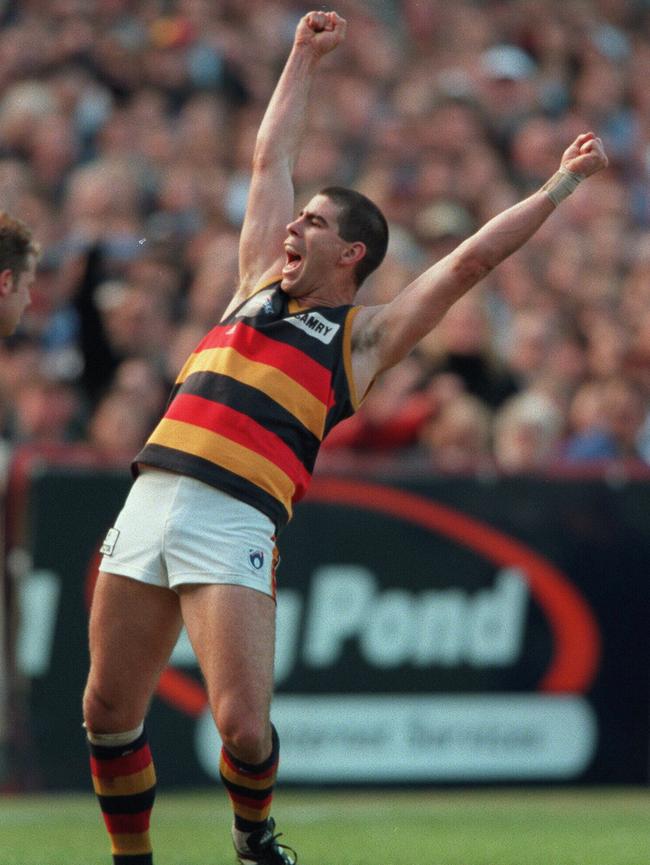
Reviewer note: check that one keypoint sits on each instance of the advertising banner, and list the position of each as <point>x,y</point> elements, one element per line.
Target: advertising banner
<point>429,631</point>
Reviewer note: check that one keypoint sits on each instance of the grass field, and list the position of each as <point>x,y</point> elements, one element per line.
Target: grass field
<point>514,827</point>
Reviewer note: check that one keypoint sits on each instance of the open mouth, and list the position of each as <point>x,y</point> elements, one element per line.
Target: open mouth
<point>293,261</point>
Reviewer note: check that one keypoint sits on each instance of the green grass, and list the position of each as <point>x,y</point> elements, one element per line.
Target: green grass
<point>491,827</point>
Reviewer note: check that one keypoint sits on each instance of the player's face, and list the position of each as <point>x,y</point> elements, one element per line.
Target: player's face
<point>312,248</point>
<point>15,296</point>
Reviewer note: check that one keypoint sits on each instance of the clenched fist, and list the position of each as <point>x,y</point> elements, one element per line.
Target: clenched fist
<point>320,31</point>
<point>585,156</point>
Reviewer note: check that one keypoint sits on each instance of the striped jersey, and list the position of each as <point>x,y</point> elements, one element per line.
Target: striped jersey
<point>256,398</point>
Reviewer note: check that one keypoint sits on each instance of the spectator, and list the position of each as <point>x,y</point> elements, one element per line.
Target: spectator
<point>530,346</point>
<point>458,438</point>
<point>462,345</point>
<point>136,321</point>
<point>588,438</point>
<point>45,413</point>
<point>608,422</point>
<point>624,409</point>
<point>118,427</point>
<point>139,378</point>
<point>527,433</point>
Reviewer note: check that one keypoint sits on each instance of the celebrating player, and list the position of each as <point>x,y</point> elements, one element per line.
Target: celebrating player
<point>220,474</point>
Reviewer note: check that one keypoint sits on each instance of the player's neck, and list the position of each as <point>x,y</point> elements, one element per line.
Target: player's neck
<point>332,294</point>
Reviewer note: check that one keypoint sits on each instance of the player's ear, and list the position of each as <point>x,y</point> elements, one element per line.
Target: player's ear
<point>6,282</point>
<point>353,253</point>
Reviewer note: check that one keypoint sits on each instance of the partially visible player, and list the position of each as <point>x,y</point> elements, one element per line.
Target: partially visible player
<point>18,258</point>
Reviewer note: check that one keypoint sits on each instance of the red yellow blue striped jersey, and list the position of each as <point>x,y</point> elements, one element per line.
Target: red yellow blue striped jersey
<point>255,399</point>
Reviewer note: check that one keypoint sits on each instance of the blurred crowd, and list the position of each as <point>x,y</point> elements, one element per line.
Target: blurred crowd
<point>126,136</point>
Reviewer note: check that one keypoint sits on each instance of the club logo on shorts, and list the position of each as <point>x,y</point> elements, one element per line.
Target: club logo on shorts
<point>256,558</point>
<point>110,540</point>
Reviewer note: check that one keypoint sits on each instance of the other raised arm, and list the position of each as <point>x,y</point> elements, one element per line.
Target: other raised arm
<point>383,335</point>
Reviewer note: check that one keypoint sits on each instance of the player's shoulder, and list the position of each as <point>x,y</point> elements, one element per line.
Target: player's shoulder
<point>246,291</point>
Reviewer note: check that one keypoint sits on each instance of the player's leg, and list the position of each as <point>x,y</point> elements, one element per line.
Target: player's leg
<point>232,630</point>
<point>133,629</point>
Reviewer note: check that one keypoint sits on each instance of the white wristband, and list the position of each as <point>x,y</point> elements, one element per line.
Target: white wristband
<point>562,184</point>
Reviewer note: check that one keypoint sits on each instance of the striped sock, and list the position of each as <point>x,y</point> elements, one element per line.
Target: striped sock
<point>250,786</point>
<point>124,779</point>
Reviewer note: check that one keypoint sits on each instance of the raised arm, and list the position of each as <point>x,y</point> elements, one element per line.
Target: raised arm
<point>383,335</point>
<point>271,197</point>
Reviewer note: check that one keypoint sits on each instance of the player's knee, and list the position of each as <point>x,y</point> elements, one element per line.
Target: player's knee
<point>103,715</point>
<point>244,735</point>
<point>96,710</point>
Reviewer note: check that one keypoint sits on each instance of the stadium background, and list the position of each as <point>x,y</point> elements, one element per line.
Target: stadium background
<point>126,132</point>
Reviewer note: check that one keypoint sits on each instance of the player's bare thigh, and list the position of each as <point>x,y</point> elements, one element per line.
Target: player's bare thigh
<point>133,629</point>
<point>232,630</point>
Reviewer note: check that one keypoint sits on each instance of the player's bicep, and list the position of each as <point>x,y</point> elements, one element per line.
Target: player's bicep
<point>385,334</point>
<point>268,212</point>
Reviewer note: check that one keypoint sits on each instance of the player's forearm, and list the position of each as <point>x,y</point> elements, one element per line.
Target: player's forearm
<point>281,130</point>
<point>504,234</point>
<point>444,283</point>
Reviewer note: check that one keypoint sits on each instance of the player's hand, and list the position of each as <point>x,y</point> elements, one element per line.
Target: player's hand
<point>320,31</point>
<point>585,156</point>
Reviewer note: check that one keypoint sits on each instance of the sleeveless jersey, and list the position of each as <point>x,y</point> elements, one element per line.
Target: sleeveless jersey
<point>253,402</point>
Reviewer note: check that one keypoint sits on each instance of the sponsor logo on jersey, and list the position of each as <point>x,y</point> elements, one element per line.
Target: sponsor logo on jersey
<point>315,325</point>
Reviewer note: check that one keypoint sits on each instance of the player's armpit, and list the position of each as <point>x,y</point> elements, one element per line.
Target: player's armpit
<point>366,358</point>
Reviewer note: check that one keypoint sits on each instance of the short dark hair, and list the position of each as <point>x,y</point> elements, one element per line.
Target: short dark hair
<point>360,219</point>
<point>16,245</point>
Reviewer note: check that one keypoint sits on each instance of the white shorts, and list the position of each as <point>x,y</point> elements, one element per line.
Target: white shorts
<point>175,530</point>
